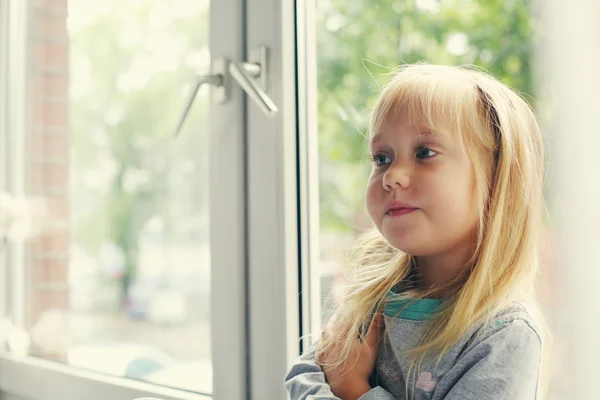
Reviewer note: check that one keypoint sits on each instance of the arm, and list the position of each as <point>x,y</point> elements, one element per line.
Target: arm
<point>501,364</point>
<point>306,381</point>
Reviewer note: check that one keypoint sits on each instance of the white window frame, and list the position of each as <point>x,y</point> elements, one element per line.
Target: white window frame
<point>13,120</point>
<point>254,240</point>
<point>3,141</point>
<point>569,60</point>
<point>310,285</point>
<point>274,208</point>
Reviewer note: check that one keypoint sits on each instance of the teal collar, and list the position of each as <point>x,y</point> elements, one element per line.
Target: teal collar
<point>398,306</point>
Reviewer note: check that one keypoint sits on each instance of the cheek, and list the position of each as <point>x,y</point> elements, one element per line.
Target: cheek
<point>372,196</point>
<point>467,203</point>
<point>455,198</point>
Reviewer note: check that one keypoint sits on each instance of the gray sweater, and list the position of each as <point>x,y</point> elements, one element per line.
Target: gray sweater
<point>494,361</point>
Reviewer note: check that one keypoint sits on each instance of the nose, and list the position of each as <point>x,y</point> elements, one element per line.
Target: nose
<point>397,176</point>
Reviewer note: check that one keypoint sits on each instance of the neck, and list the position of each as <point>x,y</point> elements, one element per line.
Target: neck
<point>438,272</point>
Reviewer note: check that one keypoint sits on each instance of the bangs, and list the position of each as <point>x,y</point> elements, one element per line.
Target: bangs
<point>425,98</point>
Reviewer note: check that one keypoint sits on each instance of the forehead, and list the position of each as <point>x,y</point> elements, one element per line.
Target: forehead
<point>397,126</point>
<point>439,102</point>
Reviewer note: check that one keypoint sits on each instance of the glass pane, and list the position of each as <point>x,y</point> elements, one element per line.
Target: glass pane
<point>356,45</point>
<point>118,276</point>
<point>351,58</point>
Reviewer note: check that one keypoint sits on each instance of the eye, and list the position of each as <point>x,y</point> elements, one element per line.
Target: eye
<point>425,152</point>
<point>381,159</point>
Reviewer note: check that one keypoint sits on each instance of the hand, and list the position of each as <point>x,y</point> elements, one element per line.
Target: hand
<point>350,379</point>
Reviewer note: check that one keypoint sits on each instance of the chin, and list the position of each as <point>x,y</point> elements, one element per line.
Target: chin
<point>408,246</point>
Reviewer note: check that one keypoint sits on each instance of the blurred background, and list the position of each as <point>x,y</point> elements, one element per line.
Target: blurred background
<point>114,217</point>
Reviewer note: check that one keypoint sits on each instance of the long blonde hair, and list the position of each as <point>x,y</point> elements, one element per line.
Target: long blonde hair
<point>503,140</point>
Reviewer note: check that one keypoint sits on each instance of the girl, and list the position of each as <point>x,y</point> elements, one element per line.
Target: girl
<point>440,304</point>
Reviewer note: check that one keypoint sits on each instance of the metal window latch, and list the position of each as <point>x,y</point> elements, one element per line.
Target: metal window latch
<point>251,76</point>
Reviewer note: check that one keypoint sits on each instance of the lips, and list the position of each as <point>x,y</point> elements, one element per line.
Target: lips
<point>398,208</point>
<point>400,211</point>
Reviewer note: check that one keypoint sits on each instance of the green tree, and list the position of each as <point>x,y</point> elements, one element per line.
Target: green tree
<point>129,63</point>
<point>362,38</point>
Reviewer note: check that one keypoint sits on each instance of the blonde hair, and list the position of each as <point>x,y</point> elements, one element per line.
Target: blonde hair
<point>503,140</point>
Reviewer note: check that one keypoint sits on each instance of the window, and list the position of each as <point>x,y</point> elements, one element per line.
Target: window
<point>137,263</point>
<point>120,249</point>
<point>350,63</point>
<point>117,280</point>
<point>345,52</point>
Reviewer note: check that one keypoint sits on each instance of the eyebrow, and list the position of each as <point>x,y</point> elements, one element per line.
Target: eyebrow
<point>426,132</point>
<point>422,133</point>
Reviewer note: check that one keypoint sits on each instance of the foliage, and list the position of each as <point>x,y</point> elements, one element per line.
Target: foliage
<point>128,63</point>
<point>127,66</point>
<point>362,40</point>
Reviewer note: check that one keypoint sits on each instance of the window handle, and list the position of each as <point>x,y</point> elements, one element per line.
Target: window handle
<point>251,76</point>
<point>246,74</point>
<point>216,79</point>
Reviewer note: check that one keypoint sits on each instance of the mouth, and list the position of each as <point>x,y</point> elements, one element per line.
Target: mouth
<point>400,211</point>
<point>395,209</point>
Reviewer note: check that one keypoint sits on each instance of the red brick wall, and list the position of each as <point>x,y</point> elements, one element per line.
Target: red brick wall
<point>47,154</point>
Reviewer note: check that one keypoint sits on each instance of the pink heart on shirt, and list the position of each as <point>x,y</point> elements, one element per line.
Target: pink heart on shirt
<point>426,382</point>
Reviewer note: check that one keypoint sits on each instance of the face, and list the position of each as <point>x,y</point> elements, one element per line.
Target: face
<point>421,191</point>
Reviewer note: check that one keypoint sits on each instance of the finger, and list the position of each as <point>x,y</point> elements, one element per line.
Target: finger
<point>374,330</point>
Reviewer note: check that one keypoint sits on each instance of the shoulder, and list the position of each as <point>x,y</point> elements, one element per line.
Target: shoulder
<point>516,314</point>
<point>513,326</point>
<point>500,359</point>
